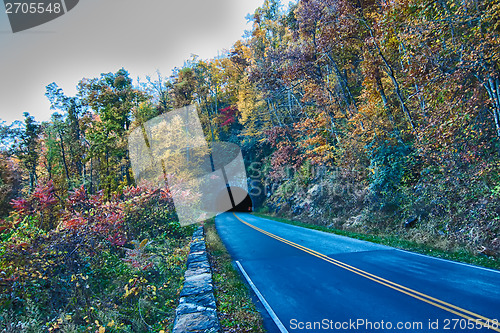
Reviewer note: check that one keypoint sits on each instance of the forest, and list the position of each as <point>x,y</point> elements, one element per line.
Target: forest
<point>380,117</point>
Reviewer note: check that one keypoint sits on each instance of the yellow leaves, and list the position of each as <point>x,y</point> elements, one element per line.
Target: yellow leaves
<point>128,292</point>
<point>102,329</point>
<point>136,284</point>
<point>143,243</point>
<point>133,291</point>
<point>79,278</point>
<point>152,289</point>
<point>494,13</point>
<point>59,323</point>
<point>393,42</point>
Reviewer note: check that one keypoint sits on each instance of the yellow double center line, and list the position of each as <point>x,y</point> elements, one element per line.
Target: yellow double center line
<point>476,318</point>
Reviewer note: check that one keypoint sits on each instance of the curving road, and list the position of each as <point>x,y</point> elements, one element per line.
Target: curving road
<point>312,281</point>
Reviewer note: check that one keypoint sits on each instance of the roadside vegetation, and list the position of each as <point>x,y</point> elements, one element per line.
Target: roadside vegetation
<point>89,265</point>
<point>237,313</point>
<point>431,248</point>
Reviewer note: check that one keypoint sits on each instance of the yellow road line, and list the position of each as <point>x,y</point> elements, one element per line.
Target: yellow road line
<point>484,321</point>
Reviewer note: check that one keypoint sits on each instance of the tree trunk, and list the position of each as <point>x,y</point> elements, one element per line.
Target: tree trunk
<point>492,86</point>
<point>63,154</point>
<point>392,76</point>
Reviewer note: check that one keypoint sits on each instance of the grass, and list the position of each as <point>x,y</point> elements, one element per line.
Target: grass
<point>237,313</point>
<point>461,255</point>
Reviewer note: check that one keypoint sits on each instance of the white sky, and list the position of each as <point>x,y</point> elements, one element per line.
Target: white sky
<point>101,36</point>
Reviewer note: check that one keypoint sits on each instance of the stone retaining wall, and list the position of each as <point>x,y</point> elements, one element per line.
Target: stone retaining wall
<point>197,311</point>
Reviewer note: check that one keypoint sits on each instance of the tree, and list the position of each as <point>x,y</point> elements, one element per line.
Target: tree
<point>10,182</point>
<point>113,99</point>
<point>183,87</point>
<point>27,149</point>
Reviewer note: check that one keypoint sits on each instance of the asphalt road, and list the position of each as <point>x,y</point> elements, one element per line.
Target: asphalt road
<point>311,281</point>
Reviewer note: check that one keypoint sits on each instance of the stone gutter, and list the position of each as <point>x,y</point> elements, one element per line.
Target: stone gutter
<point>197,310</point>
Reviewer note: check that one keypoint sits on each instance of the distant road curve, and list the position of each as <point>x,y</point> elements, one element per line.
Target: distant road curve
<point>312,281</point>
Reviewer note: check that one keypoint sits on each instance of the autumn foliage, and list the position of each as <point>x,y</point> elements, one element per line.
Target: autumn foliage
<point>66,265</point>
<point>359,114</point>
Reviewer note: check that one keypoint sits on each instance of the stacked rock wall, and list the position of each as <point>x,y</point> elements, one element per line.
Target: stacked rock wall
<point>197,310</point>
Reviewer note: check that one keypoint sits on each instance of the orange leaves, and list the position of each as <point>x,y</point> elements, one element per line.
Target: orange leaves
<point>314,140</point>
<point>75,222</point>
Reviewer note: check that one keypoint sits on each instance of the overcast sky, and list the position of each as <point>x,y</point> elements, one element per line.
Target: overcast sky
<point>101,36</point>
